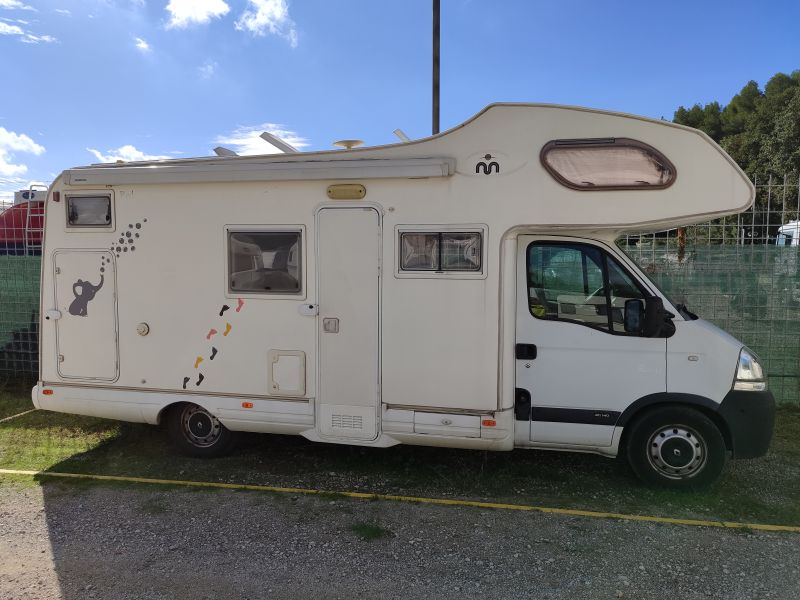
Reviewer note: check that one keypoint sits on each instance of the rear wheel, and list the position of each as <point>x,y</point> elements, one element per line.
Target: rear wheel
<point>676,447</point>
<point>196,432</point>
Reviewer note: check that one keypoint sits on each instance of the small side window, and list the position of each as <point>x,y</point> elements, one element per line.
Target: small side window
<point>89,211</point>
<point>266,262</point>
<point>441,251</point>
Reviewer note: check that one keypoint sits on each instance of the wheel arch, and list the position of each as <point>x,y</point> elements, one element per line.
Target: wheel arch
<point>165,410</point>
<point>647,403</point>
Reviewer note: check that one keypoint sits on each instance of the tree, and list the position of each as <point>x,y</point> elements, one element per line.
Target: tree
<point>705,118</point>
<point>759,129</point>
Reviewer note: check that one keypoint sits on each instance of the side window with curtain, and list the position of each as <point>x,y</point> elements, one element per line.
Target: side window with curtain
<point>578,283</point>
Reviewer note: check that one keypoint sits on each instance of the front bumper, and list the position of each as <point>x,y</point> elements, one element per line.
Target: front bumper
<point>750,417</point>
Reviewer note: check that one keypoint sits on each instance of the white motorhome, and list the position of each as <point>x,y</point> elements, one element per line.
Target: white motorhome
<point>463,290</point>
<point>788,234</point>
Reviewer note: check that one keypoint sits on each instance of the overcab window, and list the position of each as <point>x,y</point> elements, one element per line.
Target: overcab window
<point>266,262</point>
<point>607,164</point>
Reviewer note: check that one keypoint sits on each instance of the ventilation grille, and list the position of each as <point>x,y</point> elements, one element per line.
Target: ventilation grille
<point>347,422</point>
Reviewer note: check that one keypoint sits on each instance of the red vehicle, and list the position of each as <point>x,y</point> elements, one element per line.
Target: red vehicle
<point>22,224</point>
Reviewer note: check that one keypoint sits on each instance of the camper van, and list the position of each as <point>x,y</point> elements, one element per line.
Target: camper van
<point>788,234</point>
<point>463,290</point>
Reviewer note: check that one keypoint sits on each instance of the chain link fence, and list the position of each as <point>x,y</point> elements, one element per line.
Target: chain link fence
<point>741,273</point>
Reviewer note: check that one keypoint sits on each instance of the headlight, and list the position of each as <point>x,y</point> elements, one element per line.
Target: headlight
<point>749,373</point>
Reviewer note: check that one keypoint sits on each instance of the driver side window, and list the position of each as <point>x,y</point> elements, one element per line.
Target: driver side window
<point>578,283</point>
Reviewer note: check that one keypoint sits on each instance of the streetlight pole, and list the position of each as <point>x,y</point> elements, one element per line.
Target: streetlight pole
<point>435,115</point>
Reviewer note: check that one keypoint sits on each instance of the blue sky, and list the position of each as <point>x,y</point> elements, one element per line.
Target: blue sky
<point>97,80</point>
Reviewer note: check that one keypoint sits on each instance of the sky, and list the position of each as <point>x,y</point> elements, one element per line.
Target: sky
<point>86,81</point>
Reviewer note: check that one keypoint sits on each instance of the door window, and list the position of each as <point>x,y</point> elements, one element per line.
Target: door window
<point>578,283</point>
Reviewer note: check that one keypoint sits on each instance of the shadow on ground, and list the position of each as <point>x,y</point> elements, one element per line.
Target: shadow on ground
<point>764,490</point>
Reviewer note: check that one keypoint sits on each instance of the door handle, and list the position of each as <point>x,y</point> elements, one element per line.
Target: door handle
<point>526,351</point>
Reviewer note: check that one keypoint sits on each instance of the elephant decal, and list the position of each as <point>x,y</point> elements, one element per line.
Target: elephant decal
<point>82,299</point>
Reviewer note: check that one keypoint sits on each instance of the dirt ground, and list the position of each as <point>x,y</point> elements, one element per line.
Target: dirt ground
<point>70,540</point>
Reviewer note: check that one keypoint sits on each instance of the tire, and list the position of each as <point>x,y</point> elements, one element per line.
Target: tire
<point>196,432</point>
<point>676,447</point>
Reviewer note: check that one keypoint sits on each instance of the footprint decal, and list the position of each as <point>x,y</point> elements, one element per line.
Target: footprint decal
<point>129,236</point>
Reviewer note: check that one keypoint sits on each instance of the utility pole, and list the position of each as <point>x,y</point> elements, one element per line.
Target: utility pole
<point>435,120</point>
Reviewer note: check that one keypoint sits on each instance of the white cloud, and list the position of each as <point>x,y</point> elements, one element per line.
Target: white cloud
<point>268,16</point>
<point>124,153</point>
<point>63,11</point>
<point>12,143</point>
<point>142,45</point>
<point>6,29</point>
<point>24,36</point>
<point>29,38</point>
<point>9,185</point>
<point>194,12</point>
<point>246,140</point>
<point>15,5</point>
<point>207,70</point>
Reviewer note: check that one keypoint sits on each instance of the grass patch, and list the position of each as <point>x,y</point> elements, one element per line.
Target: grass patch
<point>13,403</point>
<point>370,531</point>
<point>765,490</point>
<point>42,439</point>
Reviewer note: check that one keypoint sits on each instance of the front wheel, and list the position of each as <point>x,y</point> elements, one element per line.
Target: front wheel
<point>196,432</point>
<point>676,447</point>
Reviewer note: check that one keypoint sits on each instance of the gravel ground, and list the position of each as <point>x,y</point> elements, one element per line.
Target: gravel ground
<point>72,541</point>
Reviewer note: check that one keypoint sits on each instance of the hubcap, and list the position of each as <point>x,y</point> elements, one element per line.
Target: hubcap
<point>677,452</point>
<point>201,428</point>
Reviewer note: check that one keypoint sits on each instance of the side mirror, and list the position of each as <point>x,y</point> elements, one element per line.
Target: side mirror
<point>655,317</point>
<point>633,316</point>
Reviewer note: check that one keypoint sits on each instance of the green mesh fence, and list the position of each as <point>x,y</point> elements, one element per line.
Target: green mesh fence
<point>751,291</point>
<point>19,318</point>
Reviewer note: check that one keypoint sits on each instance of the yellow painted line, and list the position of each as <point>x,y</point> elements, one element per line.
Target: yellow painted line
<point>27,412</point>
<point>571,512</point>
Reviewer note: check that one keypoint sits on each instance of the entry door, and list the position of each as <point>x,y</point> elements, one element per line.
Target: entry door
<point>573,357</point>
<point>86,332</point>
<point>348,276</point>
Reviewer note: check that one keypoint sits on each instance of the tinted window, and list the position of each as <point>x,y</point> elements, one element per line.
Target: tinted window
<point>89,211</point>
<point>266,262</point>
<point>440,251</point>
